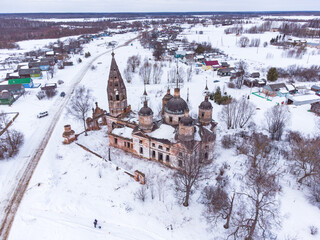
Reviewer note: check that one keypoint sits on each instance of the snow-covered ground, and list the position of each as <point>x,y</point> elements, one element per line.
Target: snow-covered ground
<point>70,187</point>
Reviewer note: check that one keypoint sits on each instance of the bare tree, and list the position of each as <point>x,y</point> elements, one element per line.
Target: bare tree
<point>80,105</point>
<point>237,113</point>
<point>243,42</point>
<point>141,194</point>
<point>193,170</point>
<point>189,73</point>
<point>276,119</point>
<point>133,63</point>
<point>127,75</point>
<point>4,120</point>
<point>241,67</point>
<point>305,155</point>
<point>258,215</point>
<point>157,73</point>
<point>256,147</point>
<point>145,71</point>
<point>13,140</point>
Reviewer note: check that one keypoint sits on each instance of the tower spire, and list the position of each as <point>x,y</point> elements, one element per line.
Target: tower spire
<point>145,91</point>
<point>177,78</point>
<point>188,95</point>
<point>112,53</point>
<point>206,84</point>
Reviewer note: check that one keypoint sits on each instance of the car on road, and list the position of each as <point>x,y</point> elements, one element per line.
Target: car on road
<point>43,114</point>
<point>215,81</point>
<point>62,94</point>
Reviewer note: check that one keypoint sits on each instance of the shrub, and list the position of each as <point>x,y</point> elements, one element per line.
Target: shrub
<point>41,94</point>
<point>272,74</point>
<point>231,85</point>
<point>313,230</point>
<point>228,141</point>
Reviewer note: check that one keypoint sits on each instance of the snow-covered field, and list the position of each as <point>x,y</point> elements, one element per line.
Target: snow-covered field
<point>70,187</point>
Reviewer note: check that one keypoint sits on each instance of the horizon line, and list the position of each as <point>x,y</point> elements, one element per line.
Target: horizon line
<point>166,12</point>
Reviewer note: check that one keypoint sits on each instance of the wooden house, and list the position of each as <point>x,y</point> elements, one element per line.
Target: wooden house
<point>251,82</point>
<point>16,89</point>
<point>49,86</point>
<point>277,89</point>
<point>30,72</point>
<point>315,88</point>
<point>6,98</point>
<point>225,71</point>
<point>208,65</point>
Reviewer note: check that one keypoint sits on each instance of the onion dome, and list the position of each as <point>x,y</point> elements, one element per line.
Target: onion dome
<point>186,120</point>
<point>176,105</point>
<point>145,110</point>
<point>168,96</point>
<point>206,105</point>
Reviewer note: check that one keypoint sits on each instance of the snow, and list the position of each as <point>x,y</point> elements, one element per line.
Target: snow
<point>304,99</point>
<point>164,132</point>
<point>125,132</point>
<point>71,187</point>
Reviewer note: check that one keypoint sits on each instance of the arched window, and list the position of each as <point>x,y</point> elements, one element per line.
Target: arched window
<point>117,96</point>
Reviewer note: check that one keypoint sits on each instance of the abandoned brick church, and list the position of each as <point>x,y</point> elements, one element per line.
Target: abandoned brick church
<point>165,141</point>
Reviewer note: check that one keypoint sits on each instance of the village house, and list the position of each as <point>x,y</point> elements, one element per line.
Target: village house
<point>165,141</point>
<point>6,98</point>
<point>225,71</point>
<point>16,89</point>
<point>315,88</point>
<point>26,82</point>
<point>225,65</point>
<point>276,89</point>
<point>30,72</point>
<point>251,82</point>
<point>211,65</point>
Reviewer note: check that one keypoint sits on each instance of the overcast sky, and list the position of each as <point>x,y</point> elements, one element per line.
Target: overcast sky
<point>15,6</point>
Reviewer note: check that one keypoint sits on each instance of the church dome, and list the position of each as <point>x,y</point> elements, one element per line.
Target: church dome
<point>176,105</point>
<point>145,110</point>
<point>206,105</point>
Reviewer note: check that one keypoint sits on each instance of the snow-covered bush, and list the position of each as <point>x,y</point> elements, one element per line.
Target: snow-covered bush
<point>313,230</point>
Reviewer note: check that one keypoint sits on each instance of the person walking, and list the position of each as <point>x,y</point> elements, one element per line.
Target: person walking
<point>95,223</point>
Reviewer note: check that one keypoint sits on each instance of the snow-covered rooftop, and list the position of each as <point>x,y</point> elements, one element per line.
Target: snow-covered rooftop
<point>164,132</point>
<point>125,132</point>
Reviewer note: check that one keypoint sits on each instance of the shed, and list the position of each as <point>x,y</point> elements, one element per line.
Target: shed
<point>303,99</point>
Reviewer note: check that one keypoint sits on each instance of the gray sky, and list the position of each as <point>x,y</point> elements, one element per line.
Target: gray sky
<point>14,6</point>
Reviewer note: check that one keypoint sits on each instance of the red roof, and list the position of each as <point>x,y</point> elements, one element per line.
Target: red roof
<point>211,63</point>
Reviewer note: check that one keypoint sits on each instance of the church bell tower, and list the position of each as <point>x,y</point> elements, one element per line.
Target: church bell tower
<point>116,90</point>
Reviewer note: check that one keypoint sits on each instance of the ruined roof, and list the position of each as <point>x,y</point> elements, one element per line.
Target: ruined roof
<point>115,78</point>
